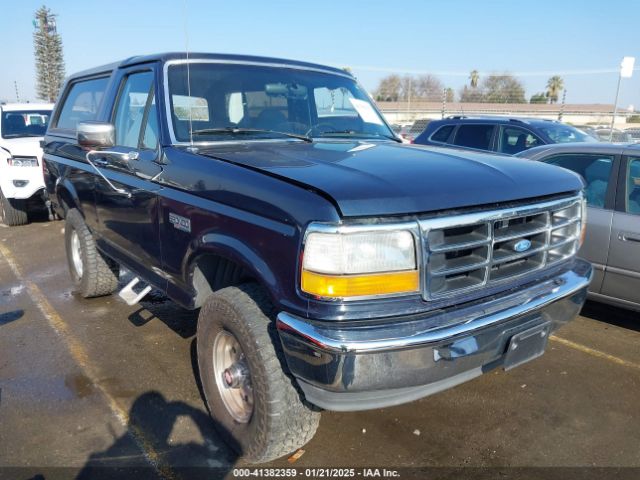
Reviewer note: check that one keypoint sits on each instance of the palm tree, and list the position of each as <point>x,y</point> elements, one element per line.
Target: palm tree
<point>474,76</point>
<point>554,86</point>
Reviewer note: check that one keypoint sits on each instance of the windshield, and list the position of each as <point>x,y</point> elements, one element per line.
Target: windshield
<point>24,123</point>
<point>560,133</point>
<point>227,102</point>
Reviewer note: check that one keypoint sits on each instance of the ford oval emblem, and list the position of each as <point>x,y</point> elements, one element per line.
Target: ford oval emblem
<point>522,245</point>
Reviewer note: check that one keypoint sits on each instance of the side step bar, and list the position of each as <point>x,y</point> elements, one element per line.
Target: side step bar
<point>129,295</point>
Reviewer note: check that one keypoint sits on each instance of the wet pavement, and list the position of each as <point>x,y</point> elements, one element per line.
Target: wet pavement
<point>86,384</point>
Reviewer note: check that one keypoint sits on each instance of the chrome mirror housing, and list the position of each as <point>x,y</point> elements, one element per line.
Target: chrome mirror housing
<point>95,135</point>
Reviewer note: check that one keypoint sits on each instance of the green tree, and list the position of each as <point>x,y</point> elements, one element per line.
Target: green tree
<point>47,46</point>
<point>503,88</point>
<point>540,97</point>
<point>474,78</point>
<point>554,86</point>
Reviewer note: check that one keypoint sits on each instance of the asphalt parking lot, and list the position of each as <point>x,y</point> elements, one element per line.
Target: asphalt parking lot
<point>91,383</point>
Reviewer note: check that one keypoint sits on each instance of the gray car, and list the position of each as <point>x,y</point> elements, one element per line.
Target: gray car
<point>612,178</point>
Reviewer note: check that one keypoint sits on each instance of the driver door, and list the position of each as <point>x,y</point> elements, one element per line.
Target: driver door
<point>128,219</point>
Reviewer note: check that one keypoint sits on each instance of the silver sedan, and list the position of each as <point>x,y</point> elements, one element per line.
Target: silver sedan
<point>612,187</point>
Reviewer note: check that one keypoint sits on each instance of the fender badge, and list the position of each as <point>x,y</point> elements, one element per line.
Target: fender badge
<point>181,223</point>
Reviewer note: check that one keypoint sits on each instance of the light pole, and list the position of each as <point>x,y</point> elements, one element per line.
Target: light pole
<point>626,71</point>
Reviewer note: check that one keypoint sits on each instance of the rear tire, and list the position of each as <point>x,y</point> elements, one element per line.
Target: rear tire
<point>93,274</point>
<point>276,420</point>
<point>13,211</point>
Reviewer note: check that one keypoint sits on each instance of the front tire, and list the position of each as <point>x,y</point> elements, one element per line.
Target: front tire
<point>93,274</point>
<point>256,406</point>
<point>14,211</point>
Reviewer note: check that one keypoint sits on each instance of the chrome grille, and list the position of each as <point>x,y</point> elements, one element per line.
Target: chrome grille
<point>470,251</point>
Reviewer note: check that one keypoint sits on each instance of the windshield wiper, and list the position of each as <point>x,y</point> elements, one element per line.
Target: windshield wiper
<point>242,131</point>
<point>359,134</point>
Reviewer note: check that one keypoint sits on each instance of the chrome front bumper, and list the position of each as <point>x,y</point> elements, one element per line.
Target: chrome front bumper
<point>362,365</point>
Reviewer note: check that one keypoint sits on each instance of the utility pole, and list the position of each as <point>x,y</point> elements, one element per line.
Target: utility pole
<point>444,101</point>
<point>15,84</point>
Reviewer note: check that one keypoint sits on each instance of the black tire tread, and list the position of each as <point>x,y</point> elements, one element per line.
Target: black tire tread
<point>100,273</point>
<point>15,211</point>
<point>289,422</point>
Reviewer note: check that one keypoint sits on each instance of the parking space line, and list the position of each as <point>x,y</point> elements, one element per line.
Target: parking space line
<point>594,353</point>
<point>80,355</point>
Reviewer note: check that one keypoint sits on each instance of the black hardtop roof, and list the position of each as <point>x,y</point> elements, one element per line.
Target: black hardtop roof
<point>164,57</point>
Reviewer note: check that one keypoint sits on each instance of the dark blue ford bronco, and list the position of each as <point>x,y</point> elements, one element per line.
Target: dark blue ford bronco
<point>334,268</point>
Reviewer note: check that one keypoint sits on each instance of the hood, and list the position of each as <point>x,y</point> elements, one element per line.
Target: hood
<point>22,146</point>
<point>372,179</point>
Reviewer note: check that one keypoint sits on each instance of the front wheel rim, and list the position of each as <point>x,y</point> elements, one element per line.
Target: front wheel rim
<point>232,377</point>
<point>76,253</point>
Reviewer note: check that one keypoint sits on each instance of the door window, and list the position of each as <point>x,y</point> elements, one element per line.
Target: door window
<point>130,110</point>
<point>82,102</point>
<point>632,196</point>
<point>515,139</point>
<point>596,171</point>
<point>474,136</point>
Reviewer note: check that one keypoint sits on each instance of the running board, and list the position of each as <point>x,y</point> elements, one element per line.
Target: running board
<point>129,295</point>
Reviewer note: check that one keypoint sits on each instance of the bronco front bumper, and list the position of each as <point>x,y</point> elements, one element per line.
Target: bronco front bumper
<point>363,365</point>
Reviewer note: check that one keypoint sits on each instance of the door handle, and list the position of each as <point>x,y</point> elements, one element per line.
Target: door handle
<point>629,237</point>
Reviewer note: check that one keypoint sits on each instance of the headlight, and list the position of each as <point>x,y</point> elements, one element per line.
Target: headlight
<point>583,220</point>
<point>22,161</point>
<point>359,264</point>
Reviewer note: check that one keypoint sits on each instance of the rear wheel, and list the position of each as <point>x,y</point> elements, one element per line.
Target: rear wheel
<point>255,404</point>
<point>93,274</point>
<point>13,211</point>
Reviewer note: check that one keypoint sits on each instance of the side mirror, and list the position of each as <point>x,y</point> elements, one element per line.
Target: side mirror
<point>95,135</point>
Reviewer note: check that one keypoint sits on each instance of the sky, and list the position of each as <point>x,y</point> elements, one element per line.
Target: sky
<point>581,40</point>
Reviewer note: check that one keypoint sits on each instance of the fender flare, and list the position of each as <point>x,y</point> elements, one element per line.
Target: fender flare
<point>234,250</point>
<point>65,191</point>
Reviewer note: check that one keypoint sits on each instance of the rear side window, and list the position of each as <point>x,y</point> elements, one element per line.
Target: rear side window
<point>82,103</point>
<point>595,169</point>
<point>442,134</point>
<point>474,136</point>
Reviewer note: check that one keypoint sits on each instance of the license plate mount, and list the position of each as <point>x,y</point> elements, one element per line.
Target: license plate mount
<point>527,345</point>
